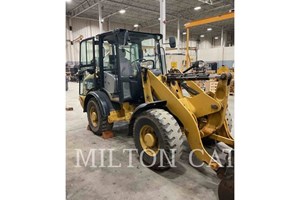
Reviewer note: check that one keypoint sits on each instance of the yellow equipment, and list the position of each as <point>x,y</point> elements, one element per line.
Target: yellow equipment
<point>223,69</point>
<point>200,22</point>
<point>119,81</point>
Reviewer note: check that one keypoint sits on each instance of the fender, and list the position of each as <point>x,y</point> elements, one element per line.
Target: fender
<point>143,107</point>
<point>102,99</point>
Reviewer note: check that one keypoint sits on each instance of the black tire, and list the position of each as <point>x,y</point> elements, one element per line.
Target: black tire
<point>226,188</point>
<point>99,124</point>
<point>168,136</point>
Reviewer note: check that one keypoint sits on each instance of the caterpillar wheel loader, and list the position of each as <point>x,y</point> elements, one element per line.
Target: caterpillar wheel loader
<point>123,76</point>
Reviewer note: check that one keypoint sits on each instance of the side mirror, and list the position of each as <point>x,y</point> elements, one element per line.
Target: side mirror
<point>172,42</point>
<point>147,64</point>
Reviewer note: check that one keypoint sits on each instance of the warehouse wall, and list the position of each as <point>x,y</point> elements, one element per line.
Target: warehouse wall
<point>86,28</point>
<point>209,49</point>
<point>209,40</point>
<point>220,55</point>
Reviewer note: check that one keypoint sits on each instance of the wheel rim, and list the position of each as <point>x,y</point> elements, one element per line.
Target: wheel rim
<point>149,140</point>
<point>93,116</point>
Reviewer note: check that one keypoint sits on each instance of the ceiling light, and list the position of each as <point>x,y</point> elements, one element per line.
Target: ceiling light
<point>201,35</point>
<point>216,38</point>
<point>184,33</point>
<point>159,19</point>
<point>209,29</point>
<point>68,1</point>
<point>102,20</point>
<point>197,8</point>
<point>122,11</point>
<point>136,25</point>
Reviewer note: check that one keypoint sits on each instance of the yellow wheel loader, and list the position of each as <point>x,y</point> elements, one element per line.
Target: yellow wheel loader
<point>123,76</point>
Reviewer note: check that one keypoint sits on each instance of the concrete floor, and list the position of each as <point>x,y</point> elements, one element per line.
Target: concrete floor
<point>91,183</point>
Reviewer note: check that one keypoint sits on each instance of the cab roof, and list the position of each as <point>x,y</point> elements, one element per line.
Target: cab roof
<point>134,35</point>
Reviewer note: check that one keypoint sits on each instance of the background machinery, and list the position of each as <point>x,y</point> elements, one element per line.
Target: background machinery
<point>123,76</point>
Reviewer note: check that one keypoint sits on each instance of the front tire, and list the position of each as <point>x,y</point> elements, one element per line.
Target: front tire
<point>97,122</point>
<point>156,130</point>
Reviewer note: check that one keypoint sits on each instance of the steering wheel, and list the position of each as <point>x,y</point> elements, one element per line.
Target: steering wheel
<point>134,64</point>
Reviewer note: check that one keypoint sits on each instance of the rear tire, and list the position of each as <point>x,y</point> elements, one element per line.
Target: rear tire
<point>157,130</point>
<point>97,122</point>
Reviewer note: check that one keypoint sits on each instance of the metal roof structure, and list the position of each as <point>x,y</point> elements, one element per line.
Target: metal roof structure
<point>146,13</point>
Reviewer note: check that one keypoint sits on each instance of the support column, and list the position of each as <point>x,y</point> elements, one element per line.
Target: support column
<point>70,28</point>
<point>178,35</point>
<point>222,44</point>
<point>163,19</point>
<point>68,44</point>
<point>222,37</point>
<point>187,51</point>
<point>100,16</point>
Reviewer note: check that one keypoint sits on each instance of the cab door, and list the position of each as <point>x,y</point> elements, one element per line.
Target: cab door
<point>87,66</point>
<point>130,75</point>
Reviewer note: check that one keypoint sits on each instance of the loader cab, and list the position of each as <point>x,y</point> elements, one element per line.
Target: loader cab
<point>112,62</point>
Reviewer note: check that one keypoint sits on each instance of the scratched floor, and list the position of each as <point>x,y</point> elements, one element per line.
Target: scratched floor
<point>122,183</point>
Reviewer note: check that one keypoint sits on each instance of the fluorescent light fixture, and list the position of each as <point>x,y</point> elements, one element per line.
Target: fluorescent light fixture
<point>197,8</point>
<point>136,25</point>
<point>184,33</point>
<point>122,11</point>
<point>201,35</point>
<point>209,29</point>
<point>216,38</point>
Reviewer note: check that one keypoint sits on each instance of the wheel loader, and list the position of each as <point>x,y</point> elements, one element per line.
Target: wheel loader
<point>123,77</point>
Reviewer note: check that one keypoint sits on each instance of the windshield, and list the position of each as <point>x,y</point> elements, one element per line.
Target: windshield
<point>143,48</point>
<point>151,52</point>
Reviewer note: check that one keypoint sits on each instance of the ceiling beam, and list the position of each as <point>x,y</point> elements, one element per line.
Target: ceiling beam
<point>86,18</point>
<point>83,7</point>
<point>209,11</point>
<point>147,25</point>
<point>114,13</point>
<point>88,4</point>
<point>156,24</point>
<point>144,9</point>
